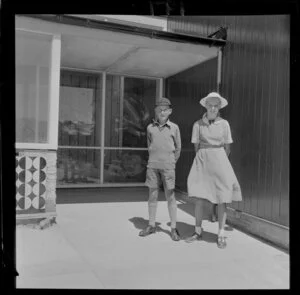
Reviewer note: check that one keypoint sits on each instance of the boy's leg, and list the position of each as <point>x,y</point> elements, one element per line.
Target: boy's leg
<point>172,206</point>
<point>168,178</point>
<point>152,181</point>
<point>152,205</point>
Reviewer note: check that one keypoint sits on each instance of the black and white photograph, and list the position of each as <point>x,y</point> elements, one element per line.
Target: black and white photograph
<point>152,151</point>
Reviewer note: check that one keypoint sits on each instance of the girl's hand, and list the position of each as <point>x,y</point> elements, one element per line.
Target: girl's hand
<point>227,149</point>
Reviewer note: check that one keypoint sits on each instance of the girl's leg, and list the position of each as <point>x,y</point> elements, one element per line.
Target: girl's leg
<point>198,221</point>
<point>198,213</point>
<point>214,213</point>
<point>222,215</point>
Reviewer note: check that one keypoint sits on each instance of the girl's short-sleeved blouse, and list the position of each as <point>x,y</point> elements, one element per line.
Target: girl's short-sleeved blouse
<point>216,133</point>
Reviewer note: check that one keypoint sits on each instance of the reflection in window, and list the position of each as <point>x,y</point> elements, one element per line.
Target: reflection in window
<point>79,109</point>
<point>113,133</point>
<point>139,99</point>
<point>125,166</point>
<point>78,166</point>
<point>127,119</point>
<point>76,111</point>
<point>33,53</point>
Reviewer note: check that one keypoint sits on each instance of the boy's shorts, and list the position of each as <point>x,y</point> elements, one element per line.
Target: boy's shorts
<point>154,177</point>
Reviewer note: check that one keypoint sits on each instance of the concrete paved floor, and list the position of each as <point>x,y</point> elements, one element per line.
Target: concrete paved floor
<point>95,245</point>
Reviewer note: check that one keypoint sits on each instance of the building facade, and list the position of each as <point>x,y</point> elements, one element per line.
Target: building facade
<point>255,80</point>
<point>86,87</point>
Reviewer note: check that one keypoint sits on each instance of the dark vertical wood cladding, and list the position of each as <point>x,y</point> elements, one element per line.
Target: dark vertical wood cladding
<point>255,80</point>
<point>185,89</point>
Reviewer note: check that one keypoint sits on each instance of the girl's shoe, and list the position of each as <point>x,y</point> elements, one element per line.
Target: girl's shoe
<point>194,237</point>
<point>221,242</point>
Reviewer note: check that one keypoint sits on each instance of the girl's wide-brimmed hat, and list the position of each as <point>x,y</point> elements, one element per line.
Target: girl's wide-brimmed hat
<point>223,101</point>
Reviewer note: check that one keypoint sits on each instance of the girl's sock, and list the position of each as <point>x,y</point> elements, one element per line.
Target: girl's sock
<point>198,230</point>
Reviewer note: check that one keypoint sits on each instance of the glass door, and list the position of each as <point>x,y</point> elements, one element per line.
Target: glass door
<point>85,158</point>
<point>128,110</point>
<point>79,141</point>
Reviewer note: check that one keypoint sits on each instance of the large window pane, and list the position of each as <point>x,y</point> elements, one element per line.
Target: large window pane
<point>78,166</point>
<point>128,111</point>
<point>139,100</point>
<point>33,52</point>
<point>113,132</point>
<point>125,166</point>
<point>80,109</point>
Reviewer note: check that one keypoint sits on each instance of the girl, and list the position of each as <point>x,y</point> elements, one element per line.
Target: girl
<point>211,176</point>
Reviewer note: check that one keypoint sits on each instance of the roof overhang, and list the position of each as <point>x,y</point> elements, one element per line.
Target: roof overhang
<point>122,49</point>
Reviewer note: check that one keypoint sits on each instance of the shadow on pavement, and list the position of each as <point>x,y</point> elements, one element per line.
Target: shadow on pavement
<point>189,208</point>
<point>141,223</point>
<point>120,194</point>
<point>186,230</point>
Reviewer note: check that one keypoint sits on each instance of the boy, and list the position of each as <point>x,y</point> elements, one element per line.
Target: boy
<point>164,145</point>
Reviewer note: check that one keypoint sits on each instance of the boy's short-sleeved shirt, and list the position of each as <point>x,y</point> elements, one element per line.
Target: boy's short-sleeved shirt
<point>164,145</point>
<point>216,133</point>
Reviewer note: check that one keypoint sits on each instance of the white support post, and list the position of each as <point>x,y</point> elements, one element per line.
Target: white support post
<point>37,103</point>
<point>54,91</point>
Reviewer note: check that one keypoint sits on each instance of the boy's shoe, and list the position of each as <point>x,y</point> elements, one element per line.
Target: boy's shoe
<point>175,234</point>
<point>221,242</point>
<point>194,237</point>
<point>147,231</point>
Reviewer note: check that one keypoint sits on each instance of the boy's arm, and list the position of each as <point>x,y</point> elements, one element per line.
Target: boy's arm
<point>177,144</point>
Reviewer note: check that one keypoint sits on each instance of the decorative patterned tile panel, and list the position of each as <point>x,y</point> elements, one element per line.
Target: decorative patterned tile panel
<point>30,184</point>
<point>35,184</point>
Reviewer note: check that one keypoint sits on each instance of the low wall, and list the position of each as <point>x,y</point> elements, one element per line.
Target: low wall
<point>35,185</point>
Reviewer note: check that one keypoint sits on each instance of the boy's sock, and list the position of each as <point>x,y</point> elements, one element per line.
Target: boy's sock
<point>221,232</point>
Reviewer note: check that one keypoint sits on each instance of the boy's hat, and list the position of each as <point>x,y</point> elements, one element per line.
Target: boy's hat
<point>162,101</point>
<point>223,101</point>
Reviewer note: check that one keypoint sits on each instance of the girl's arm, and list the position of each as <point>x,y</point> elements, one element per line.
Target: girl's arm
<point>196,146</point>
<point>227,148</point>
